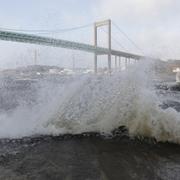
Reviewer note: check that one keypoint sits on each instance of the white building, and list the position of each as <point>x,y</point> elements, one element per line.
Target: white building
<point>177,71</point>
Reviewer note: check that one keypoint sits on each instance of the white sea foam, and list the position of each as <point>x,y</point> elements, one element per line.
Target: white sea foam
<point>96,103</point>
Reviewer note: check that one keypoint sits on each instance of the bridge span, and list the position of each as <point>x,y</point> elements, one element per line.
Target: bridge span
<point>46,41</point>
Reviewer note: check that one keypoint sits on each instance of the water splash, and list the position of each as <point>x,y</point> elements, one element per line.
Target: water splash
<point>96,103</point>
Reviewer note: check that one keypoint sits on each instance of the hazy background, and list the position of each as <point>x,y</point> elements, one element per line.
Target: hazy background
<point>153,25</point>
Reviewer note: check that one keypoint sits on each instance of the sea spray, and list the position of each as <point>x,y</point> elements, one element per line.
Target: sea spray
<point>96,103</point>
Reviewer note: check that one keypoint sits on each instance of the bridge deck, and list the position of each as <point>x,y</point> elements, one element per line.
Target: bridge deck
<point>40,40</point>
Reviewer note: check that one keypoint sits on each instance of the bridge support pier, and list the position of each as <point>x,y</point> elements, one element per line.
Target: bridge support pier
<point>129,61</point>
<point>115,62</point>
<point>126,61</point>
<point>120,63</point>
<point>95,44</point>
<point>95,63</point>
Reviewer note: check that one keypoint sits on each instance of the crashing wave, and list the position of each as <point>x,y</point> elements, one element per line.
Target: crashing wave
<point>92,103</point>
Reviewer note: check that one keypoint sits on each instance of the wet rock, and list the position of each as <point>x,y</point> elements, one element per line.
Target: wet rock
<point>175,87</point>
<point>173,104</point>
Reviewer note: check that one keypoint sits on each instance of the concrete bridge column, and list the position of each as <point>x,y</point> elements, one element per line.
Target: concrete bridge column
<point>95,45</point>
<point>109,45</point>
<point>109,63</point>
<point>129,61</point>
<point>95,63</point>
<point>120,63</point>
<point>126,61</point>
<point>96,25</point>
<point>115,62</point>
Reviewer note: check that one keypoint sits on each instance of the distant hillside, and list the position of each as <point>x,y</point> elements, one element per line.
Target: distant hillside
<point>166,66</point>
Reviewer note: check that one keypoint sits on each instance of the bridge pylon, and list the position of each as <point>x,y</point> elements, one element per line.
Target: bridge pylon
<point>96,25</point>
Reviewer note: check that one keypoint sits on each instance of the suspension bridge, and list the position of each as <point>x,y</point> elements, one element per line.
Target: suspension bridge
<point>9,35</point>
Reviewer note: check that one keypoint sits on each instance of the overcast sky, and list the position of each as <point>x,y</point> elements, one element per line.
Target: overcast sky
<point>153,24</point>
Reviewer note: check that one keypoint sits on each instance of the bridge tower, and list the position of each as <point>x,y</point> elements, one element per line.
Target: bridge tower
<point>96,25</point>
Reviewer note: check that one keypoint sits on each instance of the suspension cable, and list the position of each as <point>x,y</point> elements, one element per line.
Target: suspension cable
<point>115,40</point>
<point>127,37</point>
<point>48,31</point>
